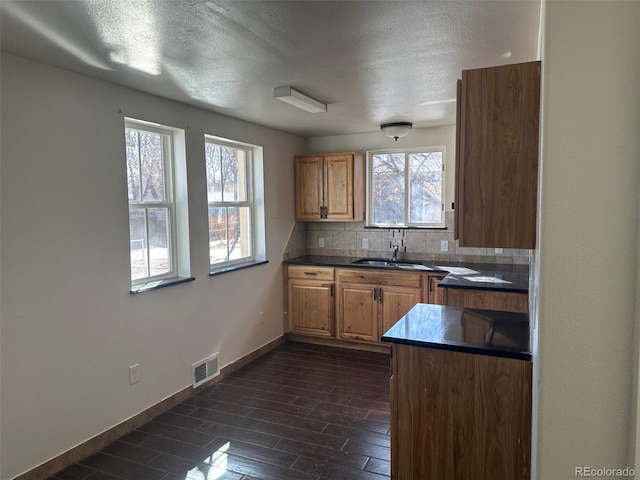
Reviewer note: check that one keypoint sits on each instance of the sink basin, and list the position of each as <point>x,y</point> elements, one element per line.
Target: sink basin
<point>374,263</point>
<point>381,262</point>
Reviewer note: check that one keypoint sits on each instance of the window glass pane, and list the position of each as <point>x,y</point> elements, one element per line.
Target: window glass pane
<point>217,234</point>
<point>133,164</point>
<point>239,222</point>
<point>159,241</point>
<point>425,187</point>
<point>229,174</point>
<point>213,160</point>
<point>387,190</point>
<point>151,162</point>
<point>226,173</point>
<point>138,245</point>
<point>229,234</point>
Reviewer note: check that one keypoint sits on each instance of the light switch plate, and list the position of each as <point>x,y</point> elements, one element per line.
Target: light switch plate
<point>365,244</point>
<point>321,242</point>
<point>499,250</point>
<point>444,245</point>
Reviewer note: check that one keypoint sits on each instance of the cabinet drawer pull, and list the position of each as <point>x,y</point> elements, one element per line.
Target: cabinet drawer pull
<point>311,273</point>
<point>380,295</point>
<point>375,294</point>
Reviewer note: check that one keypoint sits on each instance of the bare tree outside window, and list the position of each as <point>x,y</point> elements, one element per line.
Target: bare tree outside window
<point>405,188</point>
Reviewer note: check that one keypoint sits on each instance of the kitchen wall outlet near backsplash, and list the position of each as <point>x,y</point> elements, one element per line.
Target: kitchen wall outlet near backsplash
<point>352,239</point>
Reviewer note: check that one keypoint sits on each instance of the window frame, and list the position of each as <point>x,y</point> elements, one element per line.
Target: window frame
<point>178,248</point>
<point>407,197</point>
<point>249,202</point>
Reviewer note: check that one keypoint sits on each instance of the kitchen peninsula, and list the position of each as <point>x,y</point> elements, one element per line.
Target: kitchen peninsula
<point>460,394</point>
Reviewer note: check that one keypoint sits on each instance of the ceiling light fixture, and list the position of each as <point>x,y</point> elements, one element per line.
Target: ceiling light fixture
<point>299,99</point>
<point>396,130</point>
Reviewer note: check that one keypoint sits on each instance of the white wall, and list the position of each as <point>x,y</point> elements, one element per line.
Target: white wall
<point>70,329</point>
<point>588,245</point>
<point>418,137</point>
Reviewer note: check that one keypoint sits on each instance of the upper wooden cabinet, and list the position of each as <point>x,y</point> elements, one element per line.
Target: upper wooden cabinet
<point>497,138</point>
<point>330,187</point>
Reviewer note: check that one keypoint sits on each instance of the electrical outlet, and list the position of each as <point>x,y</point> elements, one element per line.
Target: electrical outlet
<point>365,244</point>
<point>134,374</point>
<point>321,242</point>
<point>499,250</point>
<point>444,245</point>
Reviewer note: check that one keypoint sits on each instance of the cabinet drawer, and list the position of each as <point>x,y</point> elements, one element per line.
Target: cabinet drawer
<point>381,277</point>
<point>310,272</point>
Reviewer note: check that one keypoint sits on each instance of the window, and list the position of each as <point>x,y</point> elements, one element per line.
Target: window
<point>233,217</point>
<point>156,235</point>
<point>406,188</point>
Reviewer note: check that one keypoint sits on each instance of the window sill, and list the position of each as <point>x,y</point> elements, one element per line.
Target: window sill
<point>167,282</point>
<point>239,266</point>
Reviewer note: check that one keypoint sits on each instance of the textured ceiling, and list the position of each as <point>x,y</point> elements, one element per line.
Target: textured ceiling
<point>371,61</point>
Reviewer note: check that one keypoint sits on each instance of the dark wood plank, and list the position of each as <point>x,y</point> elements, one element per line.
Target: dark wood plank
<point>299,412</point>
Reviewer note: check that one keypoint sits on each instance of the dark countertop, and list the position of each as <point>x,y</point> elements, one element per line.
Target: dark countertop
<point>482,276</point>
<point>474,278</point>
<point>484,332</point>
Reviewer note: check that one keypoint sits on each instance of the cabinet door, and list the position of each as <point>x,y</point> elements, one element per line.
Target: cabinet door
<point>311,307</point>
<point>457,415</point>
<point>395,302</point>
<point>309,187</point>
<point>358,315</point>
<point>498,140</point>
<point>338,187</point>
<point>436,295</point>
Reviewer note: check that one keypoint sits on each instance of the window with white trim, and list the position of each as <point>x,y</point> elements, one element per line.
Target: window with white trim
<point>158,241</point>
<point>234,222</point>
<point>405,188</point>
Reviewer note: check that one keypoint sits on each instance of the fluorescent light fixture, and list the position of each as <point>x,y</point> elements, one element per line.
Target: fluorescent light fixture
<point>299,99</point>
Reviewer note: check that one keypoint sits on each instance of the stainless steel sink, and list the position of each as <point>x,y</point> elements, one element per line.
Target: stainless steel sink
<point>381,262</point>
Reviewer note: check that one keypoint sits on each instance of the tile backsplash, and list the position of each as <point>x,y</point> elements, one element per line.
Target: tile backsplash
<point>346,239</point>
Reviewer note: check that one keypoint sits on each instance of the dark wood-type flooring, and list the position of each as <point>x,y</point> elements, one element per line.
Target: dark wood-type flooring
<point>299,412</point>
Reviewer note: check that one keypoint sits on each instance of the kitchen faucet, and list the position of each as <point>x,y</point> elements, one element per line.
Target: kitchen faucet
<point>394,251</point>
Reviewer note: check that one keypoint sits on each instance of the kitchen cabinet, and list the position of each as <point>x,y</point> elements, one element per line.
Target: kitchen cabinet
<point>329,187</point>
<point>486,299</point>
<point>497,137</point>
<point>370,302</point>
<point>311,300</point>
<point>436,295</point>
<point>459,416</point>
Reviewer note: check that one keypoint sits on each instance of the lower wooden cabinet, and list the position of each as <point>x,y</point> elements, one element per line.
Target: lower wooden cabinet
<point>436,295</point>
<point>459,416</point>
<point>369,303</point>
<point>311,301</point>
<point>486,299</point>
<point>358,312</point>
